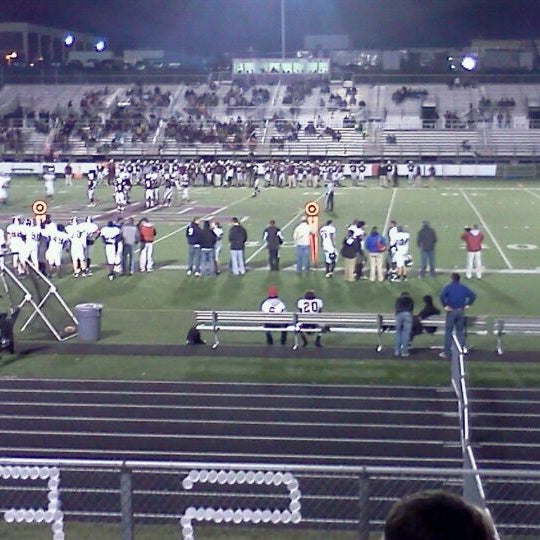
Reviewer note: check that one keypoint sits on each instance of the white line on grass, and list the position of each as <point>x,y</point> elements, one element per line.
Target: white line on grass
<point>532,193</point>
<point>286,226</point>
<point>487,229</point>
<point>390,208</point>
<point>208,216</point>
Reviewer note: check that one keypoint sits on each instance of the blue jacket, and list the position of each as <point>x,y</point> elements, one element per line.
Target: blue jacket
<point>374,242</point>
<point>456,296</point>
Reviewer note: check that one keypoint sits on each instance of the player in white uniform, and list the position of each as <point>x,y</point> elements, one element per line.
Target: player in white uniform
<point>49,177</point>
<point>328,236</point>
<point>91,189</point>
<point>92,232</point>
<point>15,235</point>
<point>57,240</point>
<point>78,233</point>
<point>33,236</point>
<point>273,304</point>
<point>310,303</point>
<point>111,235</point>
<point>401,256</point>
<point>5,179</point>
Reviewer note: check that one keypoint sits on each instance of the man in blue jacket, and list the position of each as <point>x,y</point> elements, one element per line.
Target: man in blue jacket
<point>455,299</point>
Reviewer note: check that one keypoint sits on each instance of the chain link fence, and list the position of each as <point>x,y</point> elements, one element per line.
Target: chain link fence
<point>137,500</point>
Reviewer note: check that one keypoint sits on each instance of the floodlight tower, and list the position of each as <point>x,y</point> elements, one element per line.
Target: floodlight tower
<point>283,29</point>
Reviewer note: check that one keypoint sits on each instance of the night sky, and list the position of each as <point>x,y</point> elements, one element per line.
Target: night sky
<point>210,27</point>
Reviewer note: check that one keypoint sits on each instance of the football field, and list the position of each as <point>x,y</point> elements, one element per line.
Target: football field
<point>157,308</point>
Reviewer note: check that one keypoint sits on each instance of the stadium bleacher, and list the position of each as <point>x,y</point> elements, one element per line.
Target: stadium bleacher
<point>488,121</point>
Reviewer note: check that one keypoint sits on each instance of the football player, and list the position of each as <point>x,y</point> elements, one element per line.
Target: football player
<point>328,236</point>
<point>78,234</point>
<point>57,240</point>
<point>16,238</point>
<point>111,235</point>
<point>401,256</point>
<point>310,303</point>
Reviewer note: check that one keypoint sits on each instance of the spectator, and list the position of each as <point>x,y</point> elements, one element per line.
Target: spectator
<point>349,252</point>
<point>426,240</point>
<point>193,235</point>
<point>404,322</point>
<point>302,241</point>
<point>437,515</point>
<point>273,237</point>
<point>473,239</point>
<point>455,299</point>
<point>208,242</point>
<point>130,238</point>
<point>148,234</point>
<point>375,245</point>
<point>237,241</point>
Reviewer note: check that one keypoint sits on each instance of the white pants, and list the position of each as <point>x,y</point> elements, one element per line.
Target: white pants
<point>474,261</point>
<point>146,260</point>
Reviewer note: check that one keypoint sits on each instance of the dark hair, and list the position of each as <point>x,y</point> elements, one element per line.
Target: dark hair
<point>437,515</point>
<point>455,277</point>
<point>310,295</point>
<point>428,299</point>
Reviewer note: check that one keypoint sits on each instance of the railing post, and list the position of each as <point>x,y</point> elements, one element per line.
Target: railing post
<point>363,500</point>
<point>126,504</point>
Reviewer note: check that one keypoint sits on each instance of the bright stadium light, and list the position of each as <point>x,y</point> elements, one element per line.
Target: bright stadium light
<point>469,63</point>
<point>99,45</point>
<point>69,40</point>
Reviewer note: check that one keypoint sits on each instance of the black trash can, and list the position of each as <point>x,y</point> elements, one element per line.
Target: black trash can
<point>89,321</point>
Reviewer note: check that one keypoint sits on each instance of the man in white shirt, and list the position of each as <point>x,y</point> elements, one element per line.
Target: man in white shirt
<point>301,237</point>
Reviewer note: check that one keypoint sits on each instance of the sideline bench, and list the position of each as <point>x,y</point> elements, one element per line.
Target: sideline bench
<point>257,321</point>
<point>521,326</point>
<point>474,324</point>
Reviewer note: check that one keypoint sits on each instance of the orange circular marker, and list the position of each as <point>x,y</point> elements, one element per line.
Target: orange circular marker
<point>312,209</point>
<point>39,208</point>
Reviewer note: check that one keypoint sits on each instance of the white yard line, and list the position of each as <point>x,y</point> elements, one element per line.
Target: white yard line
<point>296,217</point>
<point>486,228</point>
<point>208,216</point>
<point>390,208</point>
<point>532,193</point>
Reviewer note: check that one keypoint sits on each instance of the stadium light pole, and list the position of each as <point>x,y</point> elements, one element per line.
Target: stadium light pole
<point>282,29</point>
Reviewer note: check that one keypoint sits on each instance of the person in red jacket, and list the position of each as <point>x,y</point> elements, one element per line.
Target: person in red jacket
<point>473,239</point>
<point>147,234</point>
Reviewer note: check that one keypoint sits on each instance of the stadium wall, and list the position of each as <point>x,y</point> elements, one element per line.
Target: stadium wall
<point>81,168</point>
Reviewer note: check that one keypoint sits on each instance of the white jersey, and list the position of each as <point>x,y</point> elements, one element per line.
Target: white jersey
<point>78,234</point>
<point>16,236</point>
<point>273,305</point>
<point>392,232</point>
<point>57,239</point>
<point>305,305</point>
<point>110,235</point>
<point>402,242</point>
<point>328,235</point>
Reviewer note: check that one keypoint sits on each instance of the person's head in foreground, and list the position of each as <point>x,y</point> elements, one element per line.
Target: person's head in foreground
<point>437,515</point>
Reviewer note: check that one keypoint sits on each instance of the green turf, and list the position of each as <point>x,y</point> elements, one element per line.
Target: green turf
<point>157,307</point>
